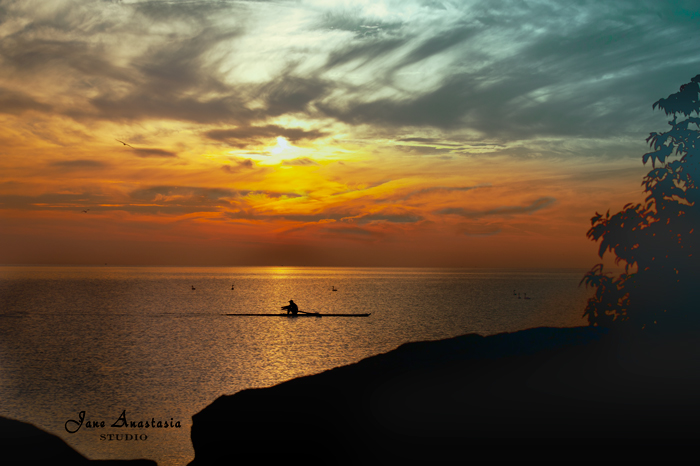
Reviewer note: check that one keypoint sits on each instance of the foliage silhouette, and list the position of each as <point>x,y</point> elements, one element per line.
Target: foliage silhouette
<point>658,240</point>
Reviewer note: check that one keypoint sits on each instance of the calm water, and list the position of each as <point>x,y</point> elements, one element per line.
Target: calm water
<point>106,339</point>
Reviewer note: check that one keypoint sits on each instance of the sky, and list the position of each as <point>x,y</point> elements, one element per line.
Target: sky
<point>350,133</point>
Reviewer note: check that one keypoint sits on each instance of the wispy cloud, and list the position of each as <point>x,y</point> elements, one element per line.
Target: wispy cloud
<point>388,217</point>
<point>79,164</point>
<point>153,152</point>
<point>240,165</point>
<point>245,136</point>
<point>300,162</point>
<point>17,102</point>
<point>443,189</point>
<point>504,211</point>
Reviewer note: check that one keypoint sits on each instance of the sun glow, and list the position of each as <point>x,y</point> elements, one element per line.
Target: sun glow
<point>282,145</point>
<point>278,155</point>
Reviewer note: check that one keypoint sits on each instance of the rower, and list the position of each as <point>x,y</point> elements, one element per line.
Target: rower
<point>293,308</point>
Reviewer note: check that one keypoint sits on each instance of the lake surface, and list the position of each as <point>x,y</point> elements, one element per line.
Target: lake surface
<point>140,341</point>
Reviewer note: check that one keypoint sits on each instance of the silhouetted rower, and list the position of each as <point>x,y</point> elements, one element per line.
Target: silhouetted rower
<point>293,308</point>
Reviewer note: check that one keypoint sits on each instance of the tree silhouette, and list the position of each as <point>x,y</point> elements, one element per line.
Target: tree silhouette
<point>657,240</point>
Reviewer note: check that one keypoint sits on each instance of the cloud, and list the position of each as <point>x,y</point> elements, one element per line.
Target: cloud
<point>233,204</point>
<point>443,189</point>
<point>505,211</point>
<point>439,43</point>
<point>421,150</point>
<point>300,162</point>
<point>319,217</point>
<point>42,48</point>
<point>188,12</point>
<point>160,105</point>
<point>17,102</point>
<point>172,200</point>
<point>198,195</point>
<point>391,218</point>
<point>431,141</point>
<point>79,164</point>
<point>245,136</point>
<point>269,194</point>
<point>355,22</point>
<point>349,217</point>
<point>364,53</point>
<point>153,152</point>
<point>241,214</point>
<point>288,93</point>
<point>442,108</point>
<point>74,201</point>
<point>241,165</point>
<point>186,199</point>
<point>176,199</point>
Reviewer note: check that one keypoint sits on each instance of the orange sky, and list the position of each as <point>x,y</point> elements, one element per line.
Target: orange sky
<point>389,134</point>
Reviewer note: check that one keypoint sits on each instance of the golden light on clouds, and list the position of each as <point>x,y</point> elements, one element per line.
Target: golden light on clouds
<point>377,133</point>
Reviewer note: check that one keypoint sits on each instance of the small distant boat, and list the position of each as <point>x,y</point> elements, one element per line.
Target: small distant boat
<point>301,314</point>
<point>333,288</point>
<point>193,287</point>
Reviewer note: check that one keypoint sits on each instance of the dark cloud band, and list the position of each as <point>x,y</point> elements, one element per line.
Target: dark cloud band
<point>505,211</point>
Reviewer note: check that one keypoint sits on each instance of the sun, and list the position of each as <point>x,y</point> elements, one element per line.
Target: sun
<point>281,146</point>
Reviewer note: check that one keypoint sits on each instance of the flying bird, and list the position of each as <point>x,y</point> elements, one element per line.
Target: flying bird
<point>85,211</point>
<point>124,143</point>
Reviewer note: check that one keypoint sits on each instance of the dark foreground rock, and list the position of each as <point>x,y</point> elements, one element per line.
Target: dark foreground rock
<point>544,393</point>
<point>25,444</point>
